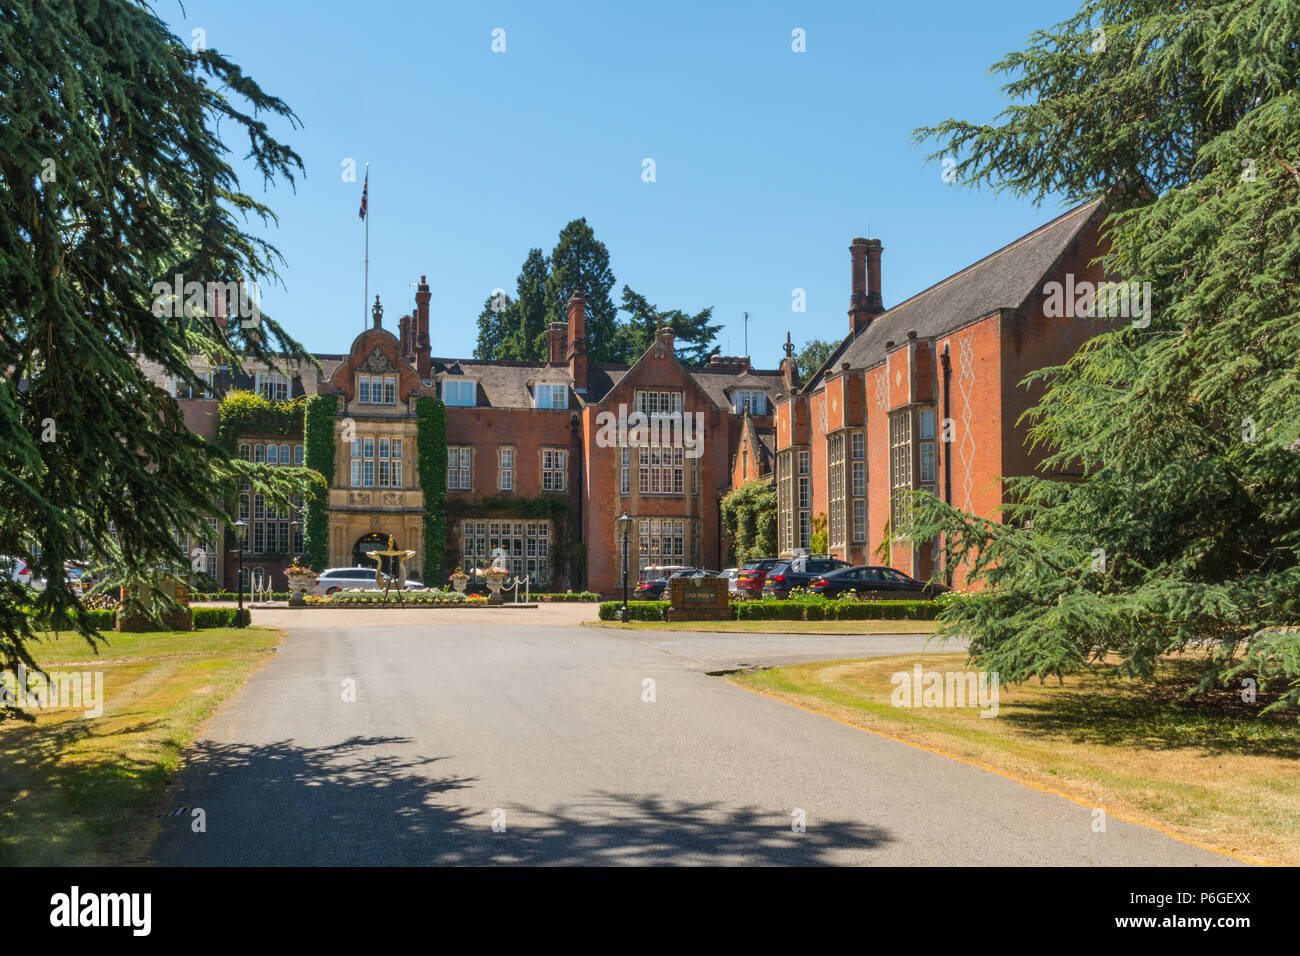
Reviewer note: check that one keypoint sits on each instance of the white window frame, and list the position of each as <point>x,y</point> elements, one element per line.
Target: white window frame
<point>757,401</point>
<point>459,386</point>
<point>551,395</point>
<point>506,468</point>
<point>554,463</point>
<point>460,468</point>
<point>270,385</point>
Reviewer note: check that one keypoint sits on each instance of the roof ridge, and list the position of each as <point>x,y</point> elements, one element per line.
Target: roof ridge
<point>995,254</point>
<point>1013,244</point>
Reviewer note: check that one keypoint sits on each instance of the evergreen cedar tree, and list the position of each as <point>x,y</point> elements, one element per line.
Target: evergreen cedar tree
<point>90,219</point>
<point>1185,526</point>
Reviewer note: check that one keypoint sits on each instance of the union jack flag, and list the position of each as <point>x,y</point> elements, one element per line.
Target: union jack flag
<point>365,189</point>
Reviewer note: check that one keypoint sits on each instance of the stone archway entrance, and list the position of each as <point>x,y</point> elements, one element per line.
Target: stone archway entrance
<point>374,541</point>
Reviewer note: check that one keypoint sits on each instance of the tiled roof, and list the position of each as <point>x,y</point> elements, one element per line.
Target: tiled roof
<point>716,383</point>
<point>502,384</point>
<point>1004,279</point>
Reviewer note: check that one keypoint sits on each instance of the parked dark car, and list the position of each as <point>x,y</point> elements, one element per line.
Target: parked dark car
<point>750,582</point>
<point>798,573</point>
<point>654,581</point>
<point>875,582</point>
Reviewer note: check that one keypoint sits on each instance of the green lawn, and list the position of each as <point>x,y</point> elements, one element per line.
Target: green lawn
<point>1209,770</point>
<point>776,627</point>
<point>86,791</point>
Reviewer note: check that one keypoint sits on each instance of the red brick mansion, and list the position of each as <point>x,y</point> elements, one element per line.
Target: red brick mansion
<point>542,457</point>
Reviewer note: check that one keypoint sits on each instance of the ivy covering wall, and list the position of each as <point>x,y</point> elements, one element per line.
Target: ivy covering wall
<point>749,515</point>
<point>431,437</point>
<point>565,552</point>
<point>243,412</point>
<point>318,455</point>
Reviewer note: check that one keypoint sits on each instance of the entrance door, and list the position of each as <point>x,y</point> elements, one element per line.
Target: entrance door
<point>371,542</point>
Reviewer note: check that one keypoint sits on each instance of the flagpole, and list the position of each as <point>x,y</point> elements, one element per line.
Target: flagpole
<point>365,304</point>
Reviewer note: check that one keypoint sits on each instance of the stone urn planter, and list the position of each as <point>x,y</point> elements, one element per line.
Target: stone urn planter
<point>459,581</point>
<point>495,578</point>
<point>299,584</point>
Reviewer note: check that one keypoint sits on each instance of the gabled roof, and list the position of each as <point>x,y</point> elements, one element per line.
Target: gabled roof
<point>1003,279</point>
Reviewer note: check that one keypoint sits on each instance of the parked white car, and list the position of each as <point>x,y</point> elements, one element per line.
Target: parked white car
<point>75,583</point>
<point>353,579</point>
<point>16,568</point>
<point>733,577</point>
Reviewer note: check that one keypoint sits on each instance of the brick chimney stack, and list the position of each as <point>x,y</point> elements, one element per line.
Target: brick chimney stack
<point>576,353</point>
<point>865,302</point>
<point>217,309</point>
<point>404,335</point>
<point>423,359</point>
<point>875,304</point>
<point>666,335</point>
<point>555,342</point>
<point>859,314</point>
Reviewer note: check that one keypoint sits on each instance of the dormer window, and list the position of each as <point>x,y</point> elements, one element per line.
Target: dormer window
<point>377,389</point>
<point>185,390</point>
<point>549,395</point>
<point>460,391</point>
<point>273,386</point>
<point>756,398</point>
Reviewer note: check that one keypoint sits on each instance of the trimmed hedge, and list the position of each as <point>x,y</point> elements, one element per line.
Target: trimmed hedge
<point>814,610</point>
<point>203,617</point>
<point>636,610</point>
<point>218,617</point>
<point>104,619</point>
<point>818,610</point>
<point>568,597</point>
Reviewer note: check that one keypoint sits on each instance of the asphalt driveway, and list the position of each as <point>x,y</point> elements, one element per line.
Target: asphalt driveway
<point>451,739</point>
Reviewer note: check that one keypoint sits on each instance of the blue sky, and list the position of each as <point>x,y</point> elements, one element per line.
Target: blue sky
<point>767,162</point>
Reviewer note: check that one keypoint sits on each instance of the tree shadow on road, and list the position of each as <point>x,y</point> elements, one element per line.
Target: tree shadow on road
<point>353,803</point>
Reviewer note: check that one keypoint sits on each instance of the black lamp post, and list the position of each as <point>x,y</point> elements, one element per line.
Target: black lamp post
<point>625,528</point>
<point>241,535</point>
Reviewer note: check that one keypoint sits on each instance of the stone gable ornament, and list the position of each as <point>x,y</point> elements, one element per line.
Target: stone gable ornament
<point>377,361</point>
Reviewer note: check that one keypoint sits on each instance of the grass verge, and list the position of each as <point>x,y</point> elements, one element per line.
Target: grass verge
<point>86,791</point>
<point>775,627</point>
<point>1210,770</point>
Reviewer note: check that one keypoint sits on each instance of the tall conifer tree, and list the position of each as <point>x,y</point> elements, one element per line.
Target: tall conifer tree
<point>1184,530</point>
<point>115,178</point>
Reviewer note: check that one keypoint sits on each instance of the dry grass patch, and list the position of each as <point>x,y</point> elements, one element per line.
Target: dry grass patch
<point>86,791</point>
<point>1210,769</point>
